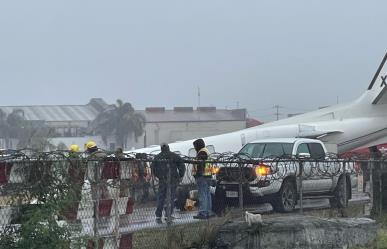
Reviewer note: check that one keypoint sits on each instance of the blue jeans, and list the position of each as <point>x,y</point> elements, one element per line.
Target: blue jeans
<point>205,202</point>
<point>161,196</point>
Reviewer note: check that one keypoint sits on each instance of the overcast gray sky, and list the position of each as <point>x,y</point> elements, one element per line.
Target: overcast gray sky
<point>298,54</point>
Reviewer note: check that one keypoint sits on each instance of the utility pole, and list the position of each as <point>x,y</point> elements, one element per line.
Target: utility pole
<point>277,113</point>
<point>198,96</point>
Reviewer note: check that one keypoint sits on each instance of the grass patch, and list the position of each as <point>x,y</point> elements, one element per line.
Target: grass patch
<point>379,243</point>
<point>198,235</point>
<point>355,210</point>
<point>381,239</point>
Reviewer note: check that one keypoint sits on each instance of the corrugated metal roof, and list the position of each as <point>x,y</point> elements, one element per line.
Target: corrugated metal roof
<point>88,112</point>
<point>194,116</point>
<point>56,113</point>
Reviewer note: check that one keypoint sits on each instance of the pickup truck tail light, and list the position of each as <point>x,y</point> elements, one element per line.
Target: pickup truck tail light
<point>262,170</point>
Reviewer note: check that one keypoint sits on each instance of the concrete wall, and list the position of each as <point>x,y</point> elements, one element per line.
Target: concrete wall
<point>297,232</point>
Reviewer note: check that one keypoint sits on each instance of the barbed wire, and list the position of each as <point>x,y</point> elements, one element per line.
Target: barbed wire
<point>28,153</point>
<point>228,166</point>
<point>67,179</point>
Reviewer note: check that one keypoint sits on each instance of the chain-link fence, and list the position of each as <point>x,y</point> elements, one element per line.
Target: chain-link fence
<point>104,200</point>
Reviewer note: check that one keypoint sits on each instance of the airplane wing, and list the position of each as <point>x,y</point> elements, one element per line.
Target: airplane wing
<point>318,134</point>
<point>379,84</point>
<point>310,131</point>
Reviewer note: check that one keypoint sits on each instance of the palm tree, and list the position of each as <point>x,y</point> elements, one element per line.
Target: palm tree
<point>120,120</point>
<point>16,123</point>
<point>11,125</point>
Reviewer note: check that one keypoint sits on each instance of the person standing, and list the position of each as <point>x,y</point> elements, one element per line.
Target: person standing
<point>167,162</point>
<point>202,173</point>
<point>76,175</point>
<point>74,151</point>
<point>95,164</point>
<point>92,150</point>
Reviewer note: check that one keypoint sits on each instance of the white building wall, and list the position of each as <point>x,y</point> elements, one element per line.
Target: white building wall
<point>168,132</point>
<point>8,143</point>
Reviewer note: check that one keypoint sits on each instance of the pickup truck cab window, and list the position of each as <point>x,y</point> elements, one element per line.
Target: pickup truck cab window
<point>252,150</point>
<point>316,151</point>
<point>302,148</point>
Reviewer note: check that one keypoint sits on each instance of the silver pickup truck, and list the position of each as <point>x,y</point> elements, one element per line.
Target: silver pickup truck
<point>277,180</point>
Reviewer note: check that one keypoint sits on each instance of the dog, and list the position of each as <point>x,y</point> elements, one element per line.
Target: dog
<point>253,218</point>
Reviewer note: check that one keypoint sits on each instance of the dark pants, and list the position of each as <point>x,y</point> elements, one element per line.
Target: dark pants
<point>161,196</point>
<point>219,201</point>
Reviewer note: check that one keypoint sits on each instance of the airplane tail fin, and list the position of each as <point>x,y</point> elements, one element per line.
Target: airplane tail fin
<point>378,85</point>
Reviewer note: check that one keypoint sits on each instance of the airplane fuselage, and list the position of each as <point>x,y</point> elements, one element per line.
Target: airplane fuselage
<point>362,122</point>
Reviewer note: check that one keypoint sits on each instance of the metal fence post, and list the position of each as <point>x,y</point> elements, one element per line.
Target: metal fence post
<point>96,168</point>
<point>371,165</point>
<point>116,212</point>
<point>169,206</point>
<point>380,189</point>
<point>383,177</point>
<point>301,167</point>
<point>240,187</point>
<point>345,184</point>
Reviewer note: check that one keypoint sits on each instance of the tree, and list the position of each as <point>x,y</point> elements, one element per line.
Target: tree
<point>3,124</point>
<point>52,190</point>
<point>121,121</point>
<point>61,146</point>
<point>11,125</point>
<point>14,125</point>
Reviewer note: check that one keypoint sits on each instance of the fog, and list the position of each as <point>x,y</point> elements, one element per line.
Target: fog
<point>249,54</point>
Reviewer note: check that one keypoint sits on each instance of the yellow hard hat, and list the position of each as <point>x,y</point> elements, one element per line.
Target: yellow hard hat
<point>74,148</point>
<point>90,144</point>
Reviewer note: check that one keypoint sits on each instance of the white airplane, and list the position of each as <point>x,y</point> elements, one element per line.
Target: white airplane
<point>360,123</point>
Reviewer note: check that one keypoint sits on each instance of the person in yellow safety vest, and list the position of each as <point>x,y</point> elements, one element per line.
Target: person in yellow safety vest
<point>207,170</point>
<point>202,172</point>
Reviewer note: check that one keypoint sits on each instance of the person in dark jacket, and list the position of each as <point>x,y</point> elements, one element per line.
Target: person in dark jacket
<point>202,173</point>
<point>93,152</point>
<point>159,167</point>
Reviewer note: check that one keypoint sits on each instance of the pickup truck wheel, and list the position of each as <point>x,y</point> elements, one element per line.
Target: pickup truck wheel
<point>340,199</point>
<point>285,200</point>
